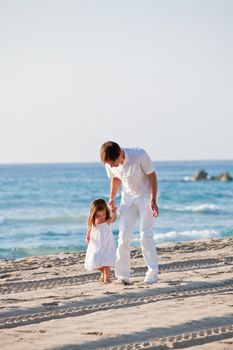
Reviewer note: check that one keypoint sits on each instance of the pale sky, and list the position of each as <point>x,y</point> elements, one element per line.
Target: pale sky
<point>148,73</point>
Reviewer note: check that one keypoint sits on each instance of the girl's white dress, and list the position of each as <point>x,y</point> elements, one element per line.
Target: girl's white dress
<point>101,250</point>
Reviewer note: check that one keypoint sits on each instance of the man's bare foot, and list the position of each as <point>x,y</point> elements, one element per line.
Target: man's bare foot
<point>125,282</point>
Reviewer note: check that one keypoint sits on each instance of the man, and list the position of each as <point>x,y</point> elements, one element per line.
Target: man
<point>133,169</point>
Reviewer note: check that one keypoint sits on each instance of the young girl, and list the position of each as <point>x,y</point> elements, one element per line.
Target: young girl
<point>101,250</point>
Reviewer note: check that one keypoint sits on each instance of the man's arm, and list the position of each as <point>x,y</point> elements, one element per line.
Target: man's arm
<point>153,191</point>
<point>114,186</point>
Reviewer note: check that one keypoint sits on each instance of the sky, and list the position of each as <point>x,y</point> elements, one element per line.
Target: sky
<point>146,73</point>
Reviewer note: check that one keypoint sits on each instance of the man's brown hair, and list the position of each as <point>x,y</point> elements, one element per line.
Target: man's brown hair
<point>109,151</point>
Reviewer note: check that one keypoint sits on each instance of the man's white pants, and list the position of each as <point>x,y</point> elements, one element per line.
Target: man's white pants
<point>128,217</point>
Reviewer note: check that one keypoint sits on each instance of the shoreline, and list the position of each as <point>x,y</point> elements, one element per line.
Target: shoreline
<point>159,247</point>
<point>51,302</point>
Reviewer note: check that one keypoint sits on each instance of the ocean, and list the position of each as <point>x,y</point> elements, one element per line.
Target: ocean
<point>44,207</point>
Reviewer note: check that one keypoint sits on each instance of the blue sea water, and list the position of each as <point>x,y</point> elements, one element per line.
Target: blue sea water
<point>43,207</point>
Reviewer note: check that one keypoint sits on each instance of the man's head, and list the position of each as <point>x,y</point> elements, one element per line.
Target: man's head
<point>110,153</point>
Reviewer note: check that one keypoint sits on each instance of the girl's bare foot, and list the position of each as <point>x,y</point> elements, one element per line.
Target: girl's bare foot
<point>101,279</point>
<point>106,273</point>
<point>107,282</point>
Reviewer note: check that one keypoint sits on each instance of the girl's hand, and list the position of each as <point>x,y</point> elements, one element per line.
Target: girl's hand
<point>112,205</point>
<point>113,209</point>
<point>87,239</point>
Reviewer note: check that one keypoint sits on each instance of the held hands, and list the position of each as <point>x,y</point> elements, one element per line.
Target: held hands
<point>112,205</point>
<point>113,208</point>
<point>154,208</point>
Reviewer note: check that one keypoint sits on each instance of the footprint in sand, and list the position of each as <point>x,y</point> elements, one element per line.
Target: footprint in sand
<point>53,303</point>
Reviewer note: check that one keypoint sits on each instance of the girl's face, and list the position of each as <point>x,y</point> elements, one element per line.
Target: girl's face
<point>100,216</point>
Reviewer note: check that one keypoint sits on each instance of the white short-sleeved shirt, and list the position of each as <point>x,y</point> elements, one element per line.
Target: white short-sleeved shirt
<point>133,174</point>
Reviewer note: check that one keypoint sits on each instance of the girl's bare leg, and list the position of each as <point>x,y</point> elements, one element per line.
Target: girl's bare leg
<point>101,269</point>
<point>107,274</point>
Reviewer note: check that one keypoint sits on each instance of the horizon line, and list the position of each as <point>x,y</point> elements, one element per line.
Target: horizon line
<point>99,162</point>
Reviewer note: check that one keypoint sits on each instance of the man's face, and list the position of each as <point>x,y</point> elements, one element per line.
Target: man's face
<point>114,163</point>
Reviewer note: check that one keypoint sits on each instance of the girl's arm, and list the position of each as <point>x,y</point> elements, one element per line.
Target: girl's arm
<point>88,235</point>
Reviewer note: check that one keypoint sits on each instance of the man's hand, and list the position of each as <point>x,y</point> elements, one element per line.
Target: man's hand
<point>154,208</point>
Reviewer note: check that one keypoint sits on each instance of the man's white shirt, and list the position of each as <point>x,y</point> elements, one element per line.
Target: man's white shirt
<point>133,174</point>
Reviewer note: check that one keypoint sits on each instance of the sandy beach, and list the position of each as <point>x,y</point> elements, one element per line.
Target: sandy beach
<point>53,303</point>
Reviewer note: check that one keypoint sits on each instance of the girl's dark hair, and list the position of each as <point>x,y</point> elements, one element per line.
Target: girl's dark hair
<point>97,205</point>
<point>109,151</point>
